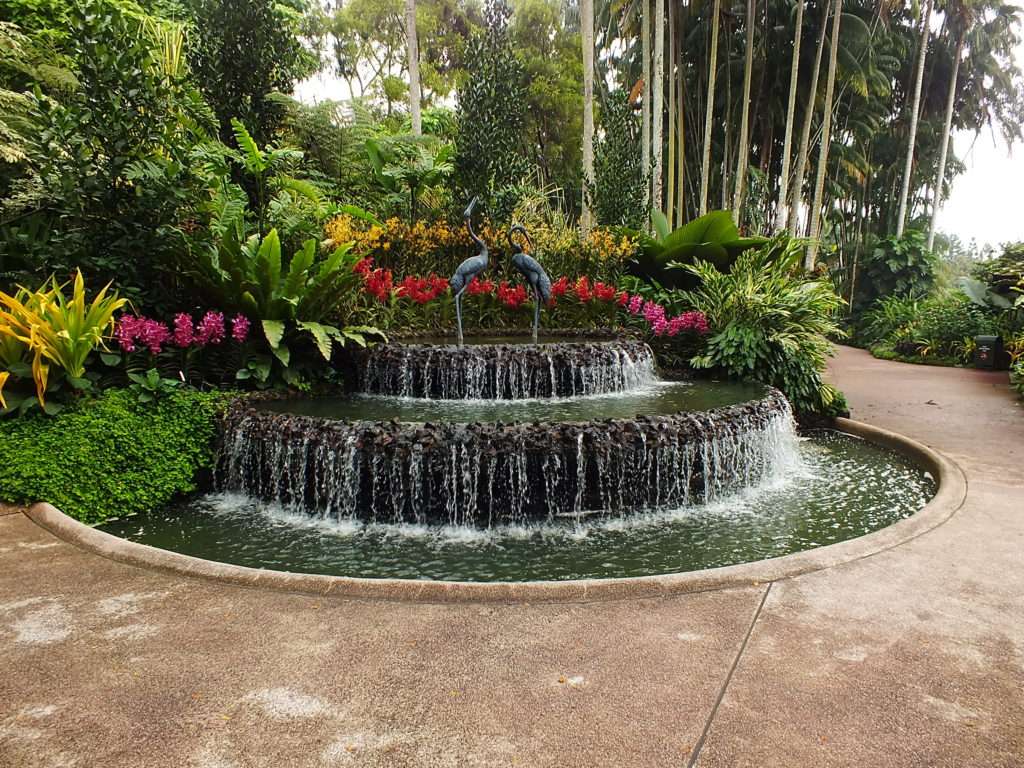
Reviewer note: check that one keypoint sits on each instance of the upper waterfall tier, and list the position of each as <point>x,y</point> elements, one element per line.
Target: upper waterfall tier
<point>504,371</point>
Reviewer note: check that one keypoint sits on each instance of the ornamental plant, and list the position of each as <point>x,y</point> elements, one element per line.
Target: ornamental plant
<point>45,329</point>
<point>770,323</point>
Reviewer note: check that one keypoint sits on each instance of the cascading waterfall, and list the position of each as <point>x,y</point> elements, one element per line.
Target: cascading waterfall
<point>489,474</point>
<point>505,371</point>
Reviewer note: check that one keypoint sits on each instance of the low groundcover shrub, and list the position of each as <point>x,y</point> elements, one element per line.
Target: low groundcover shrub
<point>110,455</point>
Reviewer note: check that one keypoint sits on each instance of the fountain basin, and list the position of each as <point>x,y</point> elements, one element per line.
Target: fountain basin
<point>489,473</point>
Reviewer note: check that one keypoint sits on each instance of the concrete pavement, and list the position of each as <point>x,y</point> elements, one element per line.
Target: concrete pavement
<point>911,657</point>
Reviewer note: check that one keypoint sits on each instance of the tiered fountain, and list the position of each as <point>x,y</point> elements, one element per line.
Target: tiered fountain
<point>434,437</point>
<point>483,434</point>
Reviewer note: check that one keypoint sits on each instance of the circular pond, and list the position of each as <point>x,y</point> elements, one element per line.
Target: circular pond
<point>832,488</point>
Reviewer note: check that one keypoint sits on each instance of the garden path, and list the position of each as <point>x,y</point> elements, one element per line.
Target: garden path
<point>911,657</point>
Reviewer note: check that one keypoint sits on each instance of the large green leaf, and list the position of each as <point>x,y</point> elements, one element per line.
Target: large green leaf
<point>321,335</point>
<point>713,227</point>
<point>273,330</point>
<point>255,161</point>
<point>661,225</point>
<point>298,270</point>
<point>268,264</point>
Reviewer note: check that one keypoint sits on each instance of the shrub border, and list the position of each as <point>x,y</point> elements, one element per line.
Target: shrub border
<point>952,490</point>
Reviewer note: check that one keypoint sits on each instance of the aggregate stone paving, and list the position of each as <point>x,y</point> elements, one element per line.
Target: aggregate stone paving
<point>911,657</point>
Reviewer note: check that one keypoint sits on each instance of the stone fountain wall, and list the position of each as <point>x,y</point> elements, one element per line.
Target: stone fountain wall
<point>486,474</point>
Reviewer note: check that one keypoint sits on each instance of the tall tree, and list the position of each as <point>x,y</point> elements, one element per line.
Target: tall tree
<point>743,153</point>
<point>658,102</point>
<point>244,50</point>
<point>645,23</point>
<point>414,66</point>
<point>787,141</point>
<point>490,161</point>
<point>805,131</point>
<point>826,138</point>
<point>914,114</point>
<point>946,137</point>
<point>587,36</point>
<point>705,166</point>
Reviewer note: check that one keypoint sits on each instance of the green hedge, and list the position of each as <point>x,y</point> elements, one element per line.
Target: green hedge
<point>109,455</point>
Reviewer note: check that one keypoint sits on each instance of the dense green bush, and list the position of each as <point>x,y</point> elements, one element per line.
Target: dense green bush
<point>895,267</point>
<point>939,328</point>
<point>109,455</point>
<point>1005,273</point>
<point>770,323</point>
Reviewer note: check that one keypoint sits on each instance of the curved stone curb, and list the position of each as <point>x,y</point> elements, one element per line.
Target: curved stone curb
<point>952,489</point>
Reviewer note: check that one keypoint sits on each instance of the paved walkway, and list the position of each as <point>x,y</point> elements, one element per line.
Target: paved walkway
<point>912,657</point>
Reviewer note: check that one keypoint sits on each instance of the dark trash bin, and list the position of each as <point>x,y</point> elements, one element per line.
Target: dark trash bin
<point>988,351</point>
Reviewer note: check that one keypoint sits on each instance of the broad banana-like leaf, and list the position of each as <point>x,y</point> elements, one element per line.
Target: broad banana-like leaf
<point>298,269</point>
<point>980,294</point>
<point>273,330</point>
<point>661,225</point>
<point>321,335</point>
<point>268,264</point>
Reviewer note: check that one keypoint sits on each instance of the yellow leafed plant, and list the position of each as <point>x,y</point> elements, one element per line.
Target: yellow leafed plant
<point>51,328</point>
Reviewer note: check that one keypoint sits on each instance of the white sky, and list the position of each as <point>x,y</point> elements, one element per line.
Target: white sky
<point>985,201</point>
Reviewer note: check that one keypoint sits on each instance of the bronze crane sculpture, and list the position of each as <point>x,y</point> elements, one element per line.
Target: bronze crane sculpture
<point>534,273</point>
<point>470,268</point>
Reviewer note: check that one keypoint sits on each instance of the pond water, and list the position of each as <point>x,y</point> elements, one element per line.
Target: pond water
<point>837,488</point>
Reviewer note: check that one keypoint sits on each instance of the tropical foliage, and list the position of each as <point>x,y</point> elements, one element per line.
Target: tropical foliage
<point>769,322</point>
<point>45,331</point>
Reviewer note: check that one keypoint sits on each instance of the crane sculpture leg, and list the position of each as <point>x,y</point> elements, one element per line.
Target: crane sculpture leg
<point>536,312</point>
<point>458,313</point>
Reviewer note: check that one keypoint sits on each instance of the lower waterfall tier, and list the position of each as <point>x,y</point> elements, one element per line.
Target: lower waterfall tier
<point>486,474</point>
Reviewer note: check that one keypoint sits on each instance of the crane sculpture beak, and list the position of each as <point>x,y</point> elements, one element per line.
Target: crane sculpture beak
<point>468,213</point>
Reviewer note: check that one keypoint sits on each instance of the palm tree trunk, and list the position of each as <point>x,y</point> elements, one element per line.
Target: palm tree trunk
<point>805,133</point>
<point>681,128</point>
<point>947,130</point>
<point>414,66</point>
<point>826,137</point>
<point>658,101</point>
<point>743,152</point>
<point>671,163</point>
<point>645,150</point>
<point>914,113</point>
<point>587,23</point>
<point>787,141</point>
<point>705,167</point>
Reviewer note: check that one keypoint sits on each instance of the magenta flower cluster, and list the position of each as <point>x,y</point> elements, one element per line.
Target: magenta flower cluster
<point>133,332</point>
<point>661,324</point>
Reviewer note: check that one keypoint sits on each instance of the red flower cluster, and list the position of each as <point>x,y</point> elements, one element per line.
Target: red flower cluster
<point>478,287</point>
<point>603,292</point>
<point>513,298</point>
<point>380,283</point>
<point>559,287</point>
<point>423,289</point>
<point>582,289</point>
